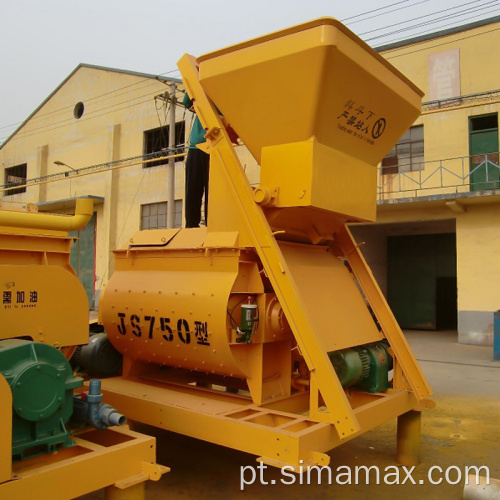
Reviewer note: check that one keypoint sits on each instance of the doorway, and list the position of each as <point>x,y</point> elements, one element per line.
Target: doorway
<point>483,150</point>
<point>422,280</point>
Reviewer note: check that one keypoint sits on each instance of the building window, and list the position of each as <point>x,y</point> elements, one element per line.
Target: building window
<point>484,122</point>
<point>408,154</point>
<point>154,215</point>
<point>15,176</point>
<point>78,110</point>
<point>156,141</point>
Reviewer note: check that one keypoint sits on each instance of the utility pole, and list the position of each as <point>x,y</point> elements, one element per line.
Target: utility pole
<point>171,161</point>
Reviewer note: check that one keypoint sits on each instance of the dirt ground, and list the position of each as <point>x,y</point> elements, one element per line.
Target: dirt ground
<point>463,430</point>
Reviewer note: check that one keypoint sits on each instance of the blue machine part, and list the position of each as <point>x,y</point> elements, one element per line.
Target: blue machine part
<point>89,409</point>
<point>496,336</point>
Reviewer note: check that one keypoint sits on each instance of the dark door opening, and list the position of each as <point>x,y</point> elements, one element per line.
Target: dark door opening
<point>446,303</point>
<point>422,281</point>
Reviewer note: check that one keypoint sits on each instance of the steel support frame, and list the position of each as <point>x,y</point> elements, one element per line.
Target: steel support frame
<point>323,378</point>
<point>411,375</point>
<point>279,433</point>
<point>219,144</point>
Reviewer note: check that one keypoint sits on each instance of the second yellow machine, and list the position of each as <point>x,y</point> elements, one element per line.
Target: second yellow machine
<point>265,331</point>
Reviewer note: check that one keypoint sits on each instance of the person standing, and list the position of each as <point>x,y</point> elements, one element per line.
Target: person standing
<point>197,172</point>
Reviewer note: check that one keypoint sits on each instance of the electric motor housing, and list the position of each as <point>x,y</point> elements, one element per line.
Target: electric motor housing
<point>98,358</point>
<point>42,383</point>
<point>364,367</point>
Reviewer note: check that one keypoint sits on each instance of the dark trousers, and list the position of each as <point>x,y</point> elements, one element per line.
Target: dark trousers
<point>197,167</point>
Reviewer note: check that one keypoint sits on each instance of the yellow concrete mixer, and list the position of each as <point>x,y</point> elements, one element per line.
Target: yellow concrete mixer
<point>265,331</point>
<point>49,445</point>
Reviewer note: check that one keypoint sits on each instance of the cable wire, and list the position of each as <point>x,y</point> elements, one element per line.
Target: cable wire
<point>155,79</point>
<point>438,20</point>
<point>424,33</point>
<point>176,70</point>
<point>435,45</point>
<point>71,121</point>
<point>105,96</point>
<point>374,10</point>
<point>388,12</point>
<point>418,18</point>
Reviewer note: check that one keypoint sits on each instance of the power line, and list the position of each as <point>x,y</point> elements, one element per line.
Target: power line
<point>151,81</point>
<point>435,45</point>
<point>103,96</point>
<point>66,108</point>
<point>70,121</point>
<point>417,18</point>
<point>388,12</point>
<point>62,124</point>
<point>423,33</point>
<point>176,70</point>
<point>374,10</point>
<point>144,159</point>
<point>439,20</point>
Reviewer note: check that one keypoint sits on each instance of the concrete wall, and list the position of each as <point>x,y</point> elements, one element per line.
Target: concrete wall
<point>478,263</point>
<point>478,256</point>
<point>374,239</point>
<point>119,107</point>
<point>477,46</point>
<point>446,142</point>
<point>446,130</point>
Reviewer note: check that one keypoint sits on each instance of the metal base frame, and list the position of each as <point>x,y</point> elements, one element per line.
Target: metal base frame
<point>279,433</point>
<point>116,458</point>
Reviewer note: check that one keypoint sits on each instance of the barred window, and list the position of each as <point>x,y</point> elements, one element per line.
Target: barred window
<point>154,215</point>
<point>156,141</point>
<point>408,154</point>
<point>15,176</point>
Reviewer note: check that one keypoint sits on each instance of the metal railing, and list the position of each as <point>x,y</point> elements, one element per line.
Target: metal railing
<point>462,100</point>
<point>440,177</point>
<point>166,153</point>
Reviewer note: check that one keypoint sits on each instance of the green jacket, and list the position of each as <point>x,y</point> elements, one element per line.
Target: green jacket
<point>197,135</point>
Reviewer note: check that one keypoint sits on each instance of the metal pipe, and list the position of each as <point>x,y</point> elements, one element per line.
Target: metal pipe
<point>171,161</point>
<point>300,384</point>
<point>101,415</point>
<point>83,212</point>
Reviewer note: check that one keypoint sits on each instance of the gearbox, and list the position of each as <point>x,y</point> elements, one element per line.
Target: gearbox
<point>42,383</point>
